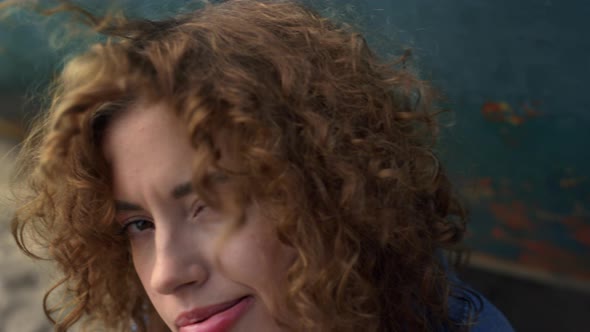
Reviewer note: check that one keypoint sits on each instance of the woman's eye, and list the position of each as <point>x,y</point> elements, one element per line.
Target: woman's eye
<point>198,208</point>
<point>136,226</point>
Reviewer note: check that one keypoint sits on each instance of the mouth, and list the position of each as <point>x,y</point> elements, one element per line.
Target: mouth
<point>217,318</point>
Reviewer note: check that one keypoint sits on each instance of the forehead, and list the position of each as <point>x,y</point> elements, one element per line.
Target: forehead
<point>143,124</point>
<point>147,142</point>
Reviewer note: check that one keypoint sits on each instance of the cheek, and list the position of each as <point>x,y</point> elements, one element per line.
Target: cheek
<point>257,259</point>
<point>143,264</point>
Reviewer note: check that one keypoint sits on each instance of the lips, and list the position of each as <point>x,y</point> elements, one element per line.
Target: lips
<point>216,318</point>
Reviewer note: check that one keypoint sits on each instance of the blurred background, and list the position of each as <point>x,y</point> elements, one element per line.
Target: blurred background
<point>517,144</point>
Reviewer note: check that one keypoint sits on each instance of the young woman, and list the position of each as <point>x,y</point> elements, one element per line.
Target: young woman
<point>250,166</point>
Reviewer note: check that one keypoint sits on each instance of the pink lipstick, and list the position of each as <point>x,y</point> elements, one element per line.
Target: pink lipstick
<point>216,318</point>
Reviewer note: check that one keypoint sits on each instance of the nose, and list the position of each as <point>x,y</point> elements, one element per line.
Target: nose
<point>177,264</point>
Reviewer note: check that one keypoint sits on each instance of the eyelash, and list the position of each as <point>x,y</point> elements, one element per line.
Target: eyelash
<point>125,227</point>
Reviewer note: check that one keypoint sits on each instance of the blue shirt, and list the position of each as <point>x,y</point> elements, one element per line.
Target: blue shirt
<point>466,303</point>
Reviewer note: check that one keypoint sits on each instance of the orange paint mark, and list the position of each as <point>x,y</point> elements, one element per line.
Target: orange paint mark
<point>513,215</point>
<point>495,107</point>
<point>499,234</point>
<point>503,112</point>
<point>515,120</point>
<point>495,111</point>
<point>567,183</point>
<point>485,182</point>
<point>530,112</point>
<point>479,189</point>
<point>582,235</point>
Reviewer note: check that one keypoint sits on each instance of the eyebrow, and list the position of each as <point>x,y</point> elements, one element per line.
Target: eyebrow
<point>178,192</point>
<point>126,206</point>
<point>182,190</point>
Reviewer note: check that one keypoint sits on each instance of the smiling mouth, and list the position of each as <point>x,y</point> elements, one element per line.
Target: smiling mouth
<point>220,320</point>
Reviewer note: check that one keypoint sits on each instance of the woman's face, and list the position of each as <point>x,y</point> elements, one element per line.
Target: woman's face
<point>173,235</point>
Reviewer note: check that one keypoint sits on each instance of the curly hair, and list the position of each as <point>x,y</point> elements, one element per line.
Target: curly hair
<point>340,141</point>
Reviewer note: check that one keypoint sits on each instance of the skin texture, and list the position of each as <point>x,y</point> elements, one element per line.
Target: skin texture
<point>173,237</point>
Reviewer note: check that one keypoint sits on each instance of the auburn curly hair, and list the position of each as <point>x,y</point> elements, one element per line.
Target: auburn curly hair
<point>339,140</point>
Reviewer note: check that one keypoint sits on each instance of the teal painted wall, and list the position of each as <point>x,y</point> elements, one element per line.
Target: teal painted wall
<point>515,73</point>
<point>516,76</point>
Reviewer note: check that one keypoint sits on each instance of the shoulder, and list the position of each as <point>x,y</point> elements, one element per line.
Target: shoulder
<point>469,307</point>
